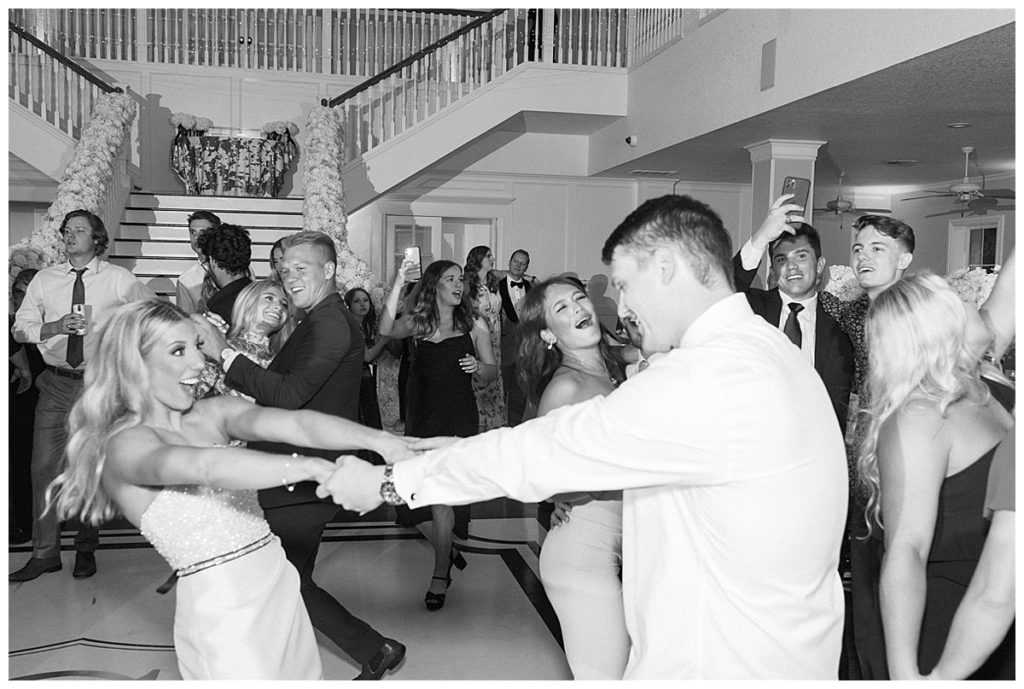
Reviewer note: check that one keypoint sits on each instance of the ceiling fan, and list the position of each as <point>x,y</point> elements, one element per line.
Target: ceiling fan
<point>840,206</point>
<point>979,206</point>
<point>965,191</point>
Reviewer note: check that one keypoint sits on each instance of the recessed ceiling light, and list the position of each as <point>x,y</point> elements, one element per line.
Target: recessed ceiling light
<point>902,162</point>
<point>959,125</point>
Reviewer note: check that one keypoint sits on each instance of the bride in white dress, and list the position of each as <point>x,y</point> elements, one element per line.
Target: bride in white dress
<point>141,447</point>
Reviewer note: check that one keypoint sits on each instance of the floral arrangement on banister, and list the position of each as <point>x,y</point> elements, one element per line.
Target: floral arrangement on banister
<point>190,125</point>
<point>323,209</point>
<point>973,286</point>
<point>84,184</point>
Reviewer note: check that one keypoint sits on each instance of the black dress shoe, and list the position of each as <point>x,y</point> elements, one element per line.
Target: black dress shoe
<point>85,565</point>
<point>36,567</point>
<point>387,658</point>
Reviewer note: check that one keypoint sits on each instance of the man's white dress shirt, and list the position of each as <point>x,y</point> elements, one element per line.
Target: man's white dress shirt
<point>733,511</point>
<point>189,290</point>
<point>48,298</point>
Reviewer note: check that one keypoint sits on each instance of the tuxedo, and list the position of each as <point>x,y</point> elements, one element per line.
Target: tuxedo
<point>319,368</point>
<point>515,397</point>
<point>833,351</point>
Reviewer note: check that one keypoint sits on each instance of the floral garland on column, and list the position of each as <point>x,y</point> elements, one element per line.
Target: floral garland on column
<point>323,209</point>
<point>84,184</point>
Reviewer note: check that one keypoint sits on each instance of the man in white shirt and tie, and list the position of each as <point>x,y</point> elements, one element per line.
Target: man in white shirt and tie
<point>513,289</point>
<point>732,518</point>
<point>65,305</point>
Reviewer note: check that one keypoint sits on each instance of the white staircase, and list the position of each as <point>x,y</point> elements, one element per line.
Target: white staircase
<point>152,240</point>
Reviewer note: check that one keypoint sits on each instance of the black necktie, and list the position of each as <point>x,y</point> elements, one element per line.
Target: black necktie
<point>519,284</point>
<point>792,327</point>
<point>76,355</point>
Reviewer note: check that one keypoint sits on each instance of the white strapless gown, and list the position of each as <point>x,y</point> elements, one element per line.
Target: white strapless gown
<point>242,618</point>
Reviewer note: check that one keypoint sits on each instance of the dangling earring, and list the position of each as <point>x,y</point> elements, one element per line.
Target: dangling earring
<point>551,346</point>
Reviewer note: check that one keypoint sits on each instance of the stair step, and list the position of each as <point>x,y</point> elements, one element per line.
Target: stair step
<point>172,250</point>
<point>214,203</point>
<point>245,219</point>
<point>179,233</point>
<point>152,266</point>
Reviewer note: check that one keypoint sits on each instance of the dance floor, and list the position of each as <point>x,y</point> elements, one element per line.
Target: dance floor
<point>497,623</point>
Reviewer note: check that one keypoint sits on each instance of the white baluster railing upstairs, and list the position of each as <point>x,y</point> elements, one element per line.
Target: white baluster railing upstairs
<point>50,85</point>
<point>424,83</point>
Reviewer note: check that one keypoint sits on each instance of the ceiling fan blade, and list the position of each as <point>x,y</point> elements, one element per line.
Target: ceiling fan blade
<point>937,195</point>
<point>999,193</point>
<point>870,211</point>
<point>937,215</point>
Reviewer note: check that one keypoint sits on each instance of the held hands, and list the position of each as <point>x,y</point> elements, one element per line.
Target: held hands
<point>436,443</point>
<point>394,448</point>
<point>354,484</point>
<point>775,224</point>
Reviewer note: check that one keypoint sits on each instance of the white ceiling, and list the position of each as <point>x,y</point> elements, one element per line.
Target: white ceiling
<point>901,112</point>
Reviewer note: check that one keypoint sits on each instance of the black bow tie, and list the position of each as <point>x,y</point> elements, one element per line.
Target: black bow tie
<point>521,284</point>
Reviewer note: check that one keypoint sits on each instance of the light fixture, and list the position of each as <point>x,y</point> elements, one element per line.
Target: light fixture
<point>959,125</point>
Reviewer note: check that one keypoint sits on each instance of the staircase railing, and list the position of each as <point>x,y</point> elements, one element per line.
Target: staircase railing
<point>424,83</point>
<point>51,85</point>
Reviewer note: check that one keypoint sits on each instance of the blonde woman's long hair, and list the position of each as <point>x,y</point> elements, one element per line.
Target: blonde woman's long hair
<point>917,350</point>
<point>116,396</point>
<point>243,314</point>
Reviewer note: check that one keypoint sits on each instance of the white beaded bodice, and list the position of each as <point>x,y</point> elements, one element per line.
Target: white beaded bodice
<point>192,524</point>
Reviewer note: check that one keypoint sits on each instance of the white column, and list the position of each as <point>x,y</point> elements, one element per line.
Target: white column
<point>772,160</point>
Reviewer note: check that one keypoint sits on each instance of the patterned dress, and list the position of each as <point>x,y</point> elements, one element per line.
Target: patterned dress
<point>211,381</point>
<point>490,397</point>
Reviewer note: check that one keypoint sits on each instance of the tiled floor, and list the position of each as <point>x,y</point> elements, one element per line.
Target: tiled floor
<point>496,624</point>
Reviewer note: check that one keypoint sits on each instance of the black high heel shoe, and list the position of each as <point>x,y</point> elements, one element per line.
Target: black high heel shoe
<point>435,601</point>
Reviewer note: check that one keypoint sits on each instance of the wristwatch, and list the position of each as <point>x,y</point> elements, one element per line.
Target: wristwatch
<point>387,488</point>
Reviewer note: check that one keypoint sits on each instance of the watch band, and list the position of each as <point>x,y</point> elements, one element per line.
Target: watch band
<point>387,488</point>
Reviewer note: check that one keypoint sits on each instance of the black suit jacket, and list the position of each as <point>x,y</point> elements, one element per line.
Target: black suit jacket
<point>509,320</point>
<point>833,351</point>
<point>319,368</point>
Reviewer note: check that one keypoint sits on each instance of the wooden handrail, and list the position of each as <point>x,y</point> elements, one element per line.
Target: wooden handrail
<point>64,60</point>
<point>415,57</point>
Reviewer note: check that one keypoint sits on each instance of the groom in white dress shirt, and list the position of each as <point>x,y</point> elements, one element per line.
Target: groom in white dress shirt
<point>733,509</point>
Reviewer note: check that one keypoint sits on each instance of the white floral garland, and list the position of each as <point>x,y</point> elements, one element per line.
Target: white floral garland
<point>323,209</point>
<point>84,184</point>
<point>973,286</point>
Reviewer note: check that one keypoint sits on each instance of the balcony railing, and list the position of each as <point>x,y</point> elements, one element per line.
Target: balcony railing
<point>419,86</point>
<point>346,42</point>
<point>343,42</point>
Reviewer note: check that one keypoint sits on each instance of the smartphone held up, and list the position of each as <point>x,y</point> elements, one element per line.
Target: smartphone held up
<point>412,253</point>
<point>800,188</point>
